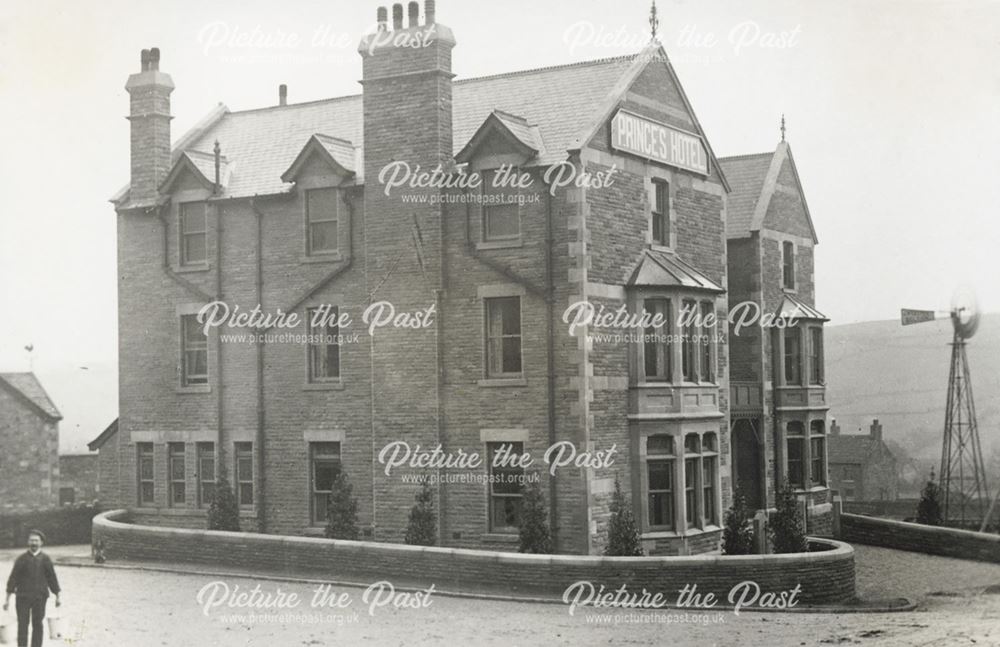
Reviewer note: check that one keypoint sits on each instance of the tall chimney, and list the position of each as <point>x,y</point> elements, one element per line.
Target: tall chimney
<point>382,17</point>
<point>834,428</point>
<point>876,430</point>
<point>397,16</point>
<point>429,12</point>
<point>407,117</point>
<point>282,95</point>
<point>149,117</point>
<point>414,10</point>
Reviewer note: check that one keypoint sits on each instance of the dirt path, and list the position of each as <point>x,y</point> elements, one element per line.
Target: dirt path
<point>107,606</point>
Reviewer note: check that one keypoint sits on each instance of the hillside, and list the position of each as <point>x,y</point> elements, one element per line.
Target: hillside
<point>880,369</point>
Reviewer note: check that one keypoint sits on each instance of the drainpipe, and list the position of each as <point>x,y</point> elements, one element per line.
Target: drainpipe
<point>551,362</point>
<point>259,436</point>
<point>218,342</point>
<point>167,270</point>
<point>441,383</point>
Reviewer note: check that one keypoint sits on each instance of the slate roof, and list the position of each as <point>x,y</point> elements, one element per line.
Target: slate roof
<point>752,182</point>
<point>852,449</point>
<point>27,387</point>
<point>792,306</point>
<point>108,432</point>
<point>560,101</point>
<point>656,268</point>
<point>746,175</point>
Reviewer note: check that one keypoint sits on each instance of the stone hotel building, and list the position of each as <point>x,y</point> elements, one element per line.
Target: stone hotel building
<point>287,206</point>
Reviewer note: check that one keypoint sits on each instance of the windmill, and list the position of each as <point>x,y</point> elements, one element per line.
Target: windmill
<point>963,475</point>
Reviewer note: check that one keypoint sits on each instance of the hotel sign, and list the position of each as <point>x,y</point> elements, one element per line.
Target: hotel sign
<point>655,141</point>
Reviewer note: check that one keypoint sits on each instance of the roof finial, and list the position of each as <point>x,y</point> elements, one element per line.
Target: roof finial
<point>654,22</point>
<point>782,127</point>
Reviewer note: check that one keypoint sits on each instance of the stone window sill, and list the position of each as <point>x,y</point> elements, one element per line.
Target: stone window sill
<point>501,537</point>
<point>323,386</point>
<point>325,257</point>
<point>503,381</point>
<point>187,269</point>
<point>199,388</point>
<point>500,244</point>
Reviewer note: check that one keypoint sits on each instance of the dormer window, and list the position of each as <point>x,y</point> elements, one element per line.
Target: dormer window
<point>322,207</point>
<point>501,211</point>
<point>194,233</point>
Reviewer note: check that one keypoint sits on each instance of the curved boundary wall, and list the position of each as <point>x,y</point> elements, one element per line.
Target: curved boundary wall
<point>825,577</point>
<point>915,537</point>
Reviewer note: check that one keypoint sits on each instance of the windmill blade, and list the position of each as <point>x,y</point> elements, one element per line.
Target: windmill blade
<point>910,317</point>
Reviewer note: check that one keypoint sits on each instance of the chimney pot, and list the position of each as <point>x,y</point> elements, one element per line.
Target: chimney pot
<point>414,11</point>
<point>397,16</point>
<point>144,60</point>
<point>282,95</point>
<point>429,11</point>
<point>382,17</point>
<point>154,58</point>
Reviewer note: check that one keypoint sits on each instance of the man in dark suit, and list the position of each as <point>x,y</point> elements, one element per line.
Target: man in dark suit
<point>32,577</point>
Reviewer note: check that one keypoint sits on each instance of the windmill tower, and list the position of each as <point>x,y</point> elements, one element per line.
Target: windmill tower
<point>963,475</point>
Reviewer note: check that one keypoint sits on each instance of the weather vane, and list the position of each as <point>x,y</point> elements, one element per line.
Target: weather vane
<point>782,127</point>
<point>654,22</point>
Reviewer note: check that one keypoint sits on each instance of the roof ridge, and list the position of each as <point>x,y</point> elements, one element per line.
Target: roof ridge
<point>744,156</point>
<point>549,68</point>
<point>597,61</point>
<point>343,97</point>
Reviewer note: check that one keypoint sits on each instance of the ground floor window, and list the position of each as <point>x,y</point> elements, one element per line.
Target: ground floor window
<point>805,453</point>
<point>175,469</point>
<point>206,473</point>
<point>505,485</point>
<point>324,459</point>
<point>144,465</point>
<point>660,478</point>
<point>244,473</point>
<point>687,481</point>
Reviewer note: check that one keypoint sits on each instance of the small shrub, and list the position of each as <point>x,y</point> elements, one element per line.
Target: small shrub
<point>224,512</point>
<point>787,533</point>
<point>422,529</point>
<point>535,534</point>
<point>342,510</point>
<point>929,507</point>
<point>737,536</point>
<point>623,534</point>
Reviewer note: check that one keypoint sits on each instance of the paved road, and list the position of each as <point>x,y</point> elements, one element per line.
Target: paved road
<point>108,606</point>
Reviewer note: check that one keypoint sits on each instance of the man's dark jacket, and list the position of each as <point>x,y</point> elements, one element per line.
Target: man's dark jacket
<point>33,576</point>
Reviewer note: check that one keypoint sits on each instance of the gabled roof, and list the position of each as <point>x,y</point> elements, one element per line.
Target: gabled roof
<point>658,268</point>
<point>341,154</point>
<point>202,166</point>
<point>27,388</point>
<point>793,308</point>
<point>753,181</point>
<point>853,449</point>
<point>523,136</point>
<point>105,435</point>
<point>564,105</point>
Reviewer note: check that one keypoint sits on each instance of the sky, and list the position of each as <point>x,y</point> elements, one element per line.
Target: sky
<point>892,109</point>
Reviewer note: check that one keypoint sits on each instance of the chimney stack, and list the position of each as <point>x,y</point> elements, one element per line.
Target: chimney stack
<point>429,12</point>
<point>282,95</point>
<point>149,117</point>
<point>414,11</point>
<point>397,16</point>
<point>876,430</point>
<point>382,18</point>
<point>834,428</point>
